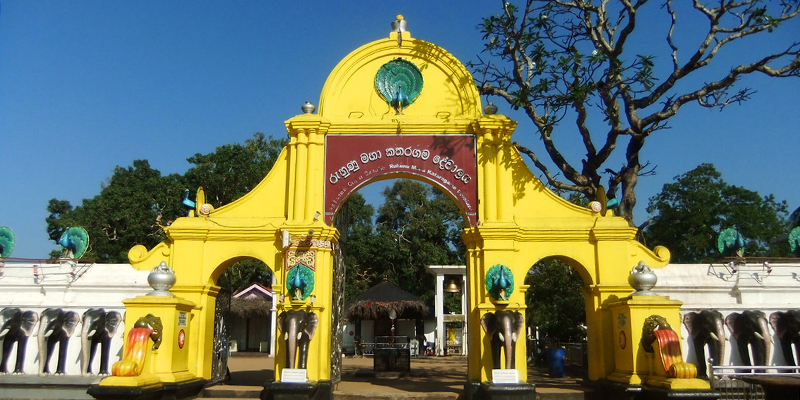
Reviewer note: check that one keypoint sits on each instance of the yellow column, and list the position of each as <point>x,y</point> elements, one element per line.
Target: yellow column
<point>487,156</point>
<point>306,181</point>
<point>293,167</point>
<point>503,191</point>
<point>494,161</point>
<point>319,363</point>
<point>474,290</point>
<point>312,174</point>
<point>300,178</point>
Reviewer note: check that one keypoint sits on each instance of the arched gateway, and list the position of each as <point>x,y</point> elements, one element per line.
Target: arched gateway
<point>402,107</point>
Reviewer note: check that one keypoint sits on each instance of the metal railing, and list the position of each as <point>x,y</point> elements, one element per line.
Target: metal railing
<point>574,352</point>
<point>728,379</point>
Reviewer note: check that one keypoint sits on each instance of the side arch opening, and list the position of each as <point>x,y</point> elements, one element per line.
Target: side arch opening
<point>556,313</point>
<point>244,312</point>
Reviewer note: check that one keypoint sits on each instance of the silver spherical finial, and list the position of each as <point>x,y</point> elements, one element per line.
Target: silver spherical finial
<point>399,24</point>
<point>308,108</point>
<point>490,109</point>
<point>642,279</point>
<point>161,279</point>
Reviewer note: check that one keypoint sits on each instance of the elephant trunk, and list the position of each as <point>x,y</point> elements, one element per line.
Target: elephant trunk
<point>86,347</point>
<point>291,351</point>
<point>303,341</point>
<point>765,338</point>
<point>43,356</point>
<point>789,354</point>
<point>509,345</point>
<point>700,352</point>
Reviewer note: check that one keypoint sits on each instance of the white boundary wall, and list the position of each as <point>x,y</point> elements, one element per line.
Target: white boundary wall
<point>71,287</point>
<point>83,286</point>
<point>716,286</point>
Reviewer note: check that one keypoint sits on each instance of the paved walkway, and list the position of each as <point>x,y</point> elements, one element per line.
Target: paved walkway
<point>443,376</point>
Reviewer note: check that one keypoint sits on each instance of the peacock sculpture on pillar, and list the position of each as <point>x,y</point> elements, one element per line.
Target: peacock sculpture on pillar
<point>499,282</point>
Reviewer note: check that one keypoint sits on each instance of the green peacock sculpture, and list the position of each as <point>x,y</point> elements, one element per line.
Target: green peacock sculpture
<point>731,243</point>
<point>7,241</point>
<point>794,241</point>
<point>74,242</point>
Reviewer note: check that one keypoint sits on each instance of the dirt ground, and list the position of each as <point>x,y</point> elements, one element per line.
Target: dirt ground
<point>428,374</point>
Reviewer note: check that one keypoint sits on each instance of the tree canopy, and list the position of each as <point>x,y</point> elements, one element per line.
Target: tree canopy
<point>122,215</point>
<point>600,66</point>
<point>555,302</point>
<point>232,170</point>
<point>130,205</point>
<point>690,212</point>
<point>416,226</point>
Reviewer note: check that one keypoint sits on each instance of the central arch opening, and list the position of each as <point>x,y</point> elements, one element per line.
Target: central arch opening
<point>387,248</point>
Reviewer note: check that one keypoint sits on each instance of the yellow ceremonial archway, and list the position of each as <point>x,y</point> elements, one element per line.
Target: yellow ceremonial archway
<point>438,134</point>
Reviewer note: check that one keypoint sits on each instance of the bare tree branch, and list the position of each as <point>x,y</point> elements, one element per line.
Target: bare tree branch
<point>571,58</point>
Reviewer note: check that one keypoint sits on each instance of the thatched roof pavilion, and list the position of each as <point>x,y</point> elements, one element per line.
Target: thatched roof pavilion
<point>251,307</point>
<point>376,302</point>
<point>252,302</point>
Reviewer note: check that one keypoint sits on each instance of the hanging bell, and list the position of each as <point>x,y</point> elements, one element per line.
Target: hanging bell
<point>451,287</point>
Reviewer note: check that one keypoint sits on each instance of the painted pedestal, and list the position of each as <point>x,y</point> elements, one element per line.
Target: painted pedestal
<point>165,373</point>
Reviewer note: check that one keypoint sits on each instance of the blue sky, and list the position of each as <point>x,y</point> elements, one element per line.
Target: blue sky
<point>89,85</point>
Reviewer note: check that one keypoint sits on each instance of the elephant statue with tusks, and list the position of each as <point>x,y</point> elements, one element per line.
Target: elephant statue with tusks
<point>706,328</point>
<point>16,326</point>
<point>55,327</point>
<point>751,332</point>
<point>503,328</point>
<point>787,327</point>
<point>298,329</point>
<point>98,327</point>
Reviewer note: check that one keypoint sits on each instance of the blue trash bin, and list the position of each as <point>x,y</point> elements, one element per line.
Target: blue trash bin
<point>555,359</point>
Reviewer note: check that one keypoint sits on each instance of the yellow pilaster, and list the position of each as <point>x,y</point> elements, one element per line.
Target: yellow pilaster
<point>301,175</point>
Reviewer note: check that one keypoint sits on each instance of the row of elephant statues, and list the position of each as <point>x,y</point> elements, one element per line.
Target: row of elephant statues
<point>749,329</point>
<point>55,328</point>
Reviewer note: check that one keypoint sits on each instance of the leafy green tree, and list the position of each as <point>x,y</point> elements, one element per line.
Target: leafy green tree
<point>126,211</point>
<point>245,273</point>
<point>232,170</point>
<point>123,214</point>
<point>354,221</point>
<point>55,225</point>
<point>555,302</point>
<point>587,62</point>
<point>452,301</point>
<point>416,226</point>
<point>690,213</point>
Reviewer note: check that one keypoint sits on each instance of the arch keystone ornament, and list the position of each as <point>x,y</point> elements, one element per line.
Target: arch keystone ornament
<point>358,136</point>
<point>399,82</point>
